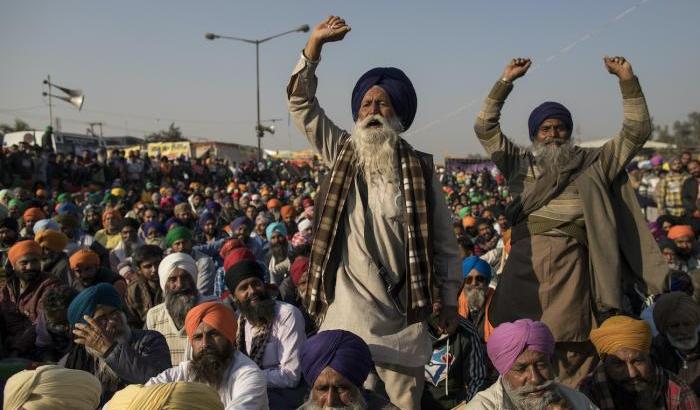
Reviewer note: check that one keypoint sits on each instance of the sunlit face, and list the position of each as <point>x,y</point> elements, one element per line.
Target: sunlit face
<point>531,368</point>
<point>694,169</point>
<point>182,245</point>
<point>552,131</point>
<point>475,280</point>
<point>376,101</point>
<point>333,390</point>
<point>149,269</point>
<point>248,289</point>
<point>207,337</point>
<point>179,279</point>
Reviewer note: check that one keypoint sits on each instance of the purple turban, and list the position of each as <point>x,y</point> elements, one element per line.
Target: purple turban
<point>340,350</point>
<point>205,217</point>
<point>153,224</point>
<point>396,84</point>
<point>241,220</point>
<point>545,111</point>
<point>509,340</point>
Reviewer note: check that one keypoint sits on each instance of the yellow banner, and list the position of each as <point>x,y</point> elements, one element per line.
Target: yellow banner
<point>169,149</point>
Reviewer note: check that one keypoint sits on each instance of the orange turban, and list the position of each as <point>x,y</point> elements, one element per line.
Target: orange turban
<point>111,212</point>
<point>21,249</point>
<point>286,211</point>
<point>274,204</point>
<point>215,315</point>
<point>54,240</point>
<point>620,332</point>
<point>468,222</point>
<point>680,231</point>
<point>84,257</point>
<point>35,213</point>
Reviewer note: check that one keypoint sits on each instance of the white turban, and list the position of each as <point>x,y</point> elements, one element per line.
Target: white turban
<point>176,260</point>
<point>52,387</point>
<point>304,224</point>
<point>44,224</point>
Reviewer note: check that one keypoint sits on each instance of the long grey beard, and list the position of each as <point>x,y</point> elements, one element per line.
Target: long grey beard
<point>553,157</point>
<point>178,304</point>
<point>375,149</point>
<point>476,299</point>
<point>358,403</point>
<point>523,402</point>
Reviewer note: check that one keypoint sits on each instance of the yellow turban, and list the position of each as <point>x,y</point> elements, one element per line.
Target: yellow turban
<point>621,332</point>
<point>167,396</point>
<point>52,387</point>
<point>53,240</point>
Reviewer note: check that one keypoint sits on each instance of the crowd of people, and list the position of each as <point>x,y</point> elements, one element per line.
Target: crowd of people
<point>553,278</point>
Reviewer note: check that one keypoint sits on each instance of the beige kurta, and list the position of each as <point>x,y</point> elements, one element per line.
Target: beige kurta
<point>361,303</point>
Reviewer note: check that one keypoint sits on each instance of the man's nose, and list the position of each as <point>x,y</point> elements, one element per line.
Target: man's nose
<point>374,108</point>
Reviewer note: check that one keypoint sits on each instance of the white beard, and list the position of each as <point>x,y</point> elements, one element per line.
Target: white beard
<point>552,157</point>
<point>375,147</point>
<point>683,345</point>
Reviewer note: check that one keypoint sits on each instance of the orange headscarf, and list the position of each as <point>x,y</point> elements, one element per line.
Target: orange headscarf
<point>620,332</point>
<point>468,222</point>
<point>680,231</point>
<point>286,211</point>
<point>53,240</point>
<point>22,248</point>
<point>84,257</point>
<point>35,213</point>
<point>215,315</point>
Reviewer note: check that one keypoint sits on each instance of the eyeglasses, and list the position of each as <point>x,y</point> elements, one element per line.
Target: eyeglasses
<point>475,279</point>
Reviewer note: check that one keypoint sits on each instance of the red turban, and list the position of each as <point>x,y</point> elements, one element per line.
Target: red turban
<point>21,249</point>
<point>274,204</point>
<point>237,255</point>
<point>680,231</point>
<point>34,213</point>
<point>84,257</point>
<point>298,269</point>
<point>215,315</point>
<point>286,211</point>
<point>230,245</point>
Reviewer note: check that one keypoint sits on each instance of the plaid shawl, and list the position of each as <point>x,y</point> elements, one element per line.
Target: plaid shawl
<point>669,390</point>
<point>416,230</point>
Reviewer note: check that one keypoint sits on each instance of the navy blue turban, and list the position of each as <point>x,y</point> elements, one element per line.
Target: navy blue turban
<point>545,111</point>
<point>340,350</point>
<point>86,302</point>
<point>395,83</point>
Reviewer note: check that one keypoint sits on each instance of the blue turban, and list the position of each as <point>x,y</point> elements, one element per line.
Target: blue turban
<point>275,227</point>
<point>241,220</point>
<point>545,111</point>
<point>206,216</point>
<point>475,262</point>
<point>340,350</point>
<point>86,302</point>
<point>153,224</point>
<point>395,83</point>
<point>67,208</point>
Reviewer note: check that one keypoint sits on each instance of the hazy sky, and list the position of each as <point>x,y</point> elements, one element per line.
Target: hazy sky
<point>143,64</point>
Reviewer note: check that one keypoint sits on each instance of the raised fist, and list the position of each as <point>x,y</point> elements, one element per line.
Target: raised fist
<point>331,29</point>
<point>619,66</point>
<point>516,69</point>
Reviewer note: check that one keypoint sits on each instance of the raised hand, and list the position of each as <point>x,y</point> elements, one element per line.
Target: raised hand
<point>619,67</point>
<point>516,68</point>
<point>92,336</point>
<point>333,28</point>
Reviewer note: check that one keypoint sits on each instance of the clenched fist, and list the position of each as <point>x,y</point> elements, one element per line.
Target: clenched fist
<point>619,66</point>
<point>331,29</point>
<point>516,69</point>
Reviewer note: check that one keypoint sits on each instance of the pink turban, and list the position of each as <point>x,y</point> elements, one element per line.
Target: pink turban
<point>510,340</point>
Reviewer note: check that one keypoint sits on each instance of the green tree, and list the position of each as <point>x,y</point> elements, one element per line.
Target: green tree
<point>19,125</point>
<point>173,133</point>
<point>685,134</point>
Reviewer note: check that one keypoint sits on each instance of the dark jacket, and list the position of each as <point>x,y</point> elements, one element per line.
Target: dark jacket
<point>686,366</point>
<point>19,313</point>
<point>145,355</point>
<point>466,373</point>
<point>689,194</point>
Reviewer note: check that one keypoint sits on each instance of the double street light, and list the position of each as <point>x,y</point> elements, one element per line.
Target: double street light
<point>259,128</point>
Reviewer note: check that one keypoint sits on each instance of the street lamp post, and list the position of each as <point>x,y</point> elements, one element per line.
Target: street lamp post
<point>259,128</point>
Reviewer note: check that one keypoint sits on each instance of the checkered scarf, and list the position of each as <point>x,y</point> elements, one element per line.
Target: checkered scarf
<point>416,231</point>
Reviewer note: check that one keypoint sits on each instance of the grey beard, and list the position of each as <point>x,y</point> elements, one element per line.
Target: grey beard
<point>553,157</point>
<point>683,345</point>
<point>375,148</point>
<point>178,304</point>
<point>523,402</point>
<point>476,299</point>
<point>358,403</point>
